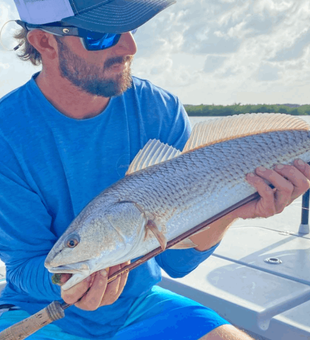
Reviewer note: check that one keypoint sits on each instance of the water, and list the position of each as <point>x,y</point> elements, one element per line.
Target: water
<point>195,120</point>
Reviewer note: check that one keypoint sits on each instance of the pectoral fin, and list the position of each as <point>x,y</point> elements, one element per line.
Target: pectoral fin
<point>151,225</point>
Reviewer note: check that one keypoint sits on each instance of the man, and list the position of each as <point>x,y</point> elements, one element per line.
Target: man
<point>72,131</point>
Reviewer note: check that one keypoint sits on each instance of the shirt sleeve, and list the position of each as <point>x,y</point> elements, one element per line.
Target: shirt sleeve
<point>180,128</point>
<point>25,237</point>
<point>178,263</point>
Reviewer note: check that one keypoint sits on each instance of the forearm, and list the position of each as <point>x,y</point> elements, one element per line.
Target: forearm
<point>26,237</point>
<point>32,278</point>
<point>208,238</point>
<point>178,263</point>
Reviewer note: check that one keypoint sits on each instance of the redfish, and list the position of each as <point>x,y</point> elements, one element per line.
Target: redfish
<point>166,192</point>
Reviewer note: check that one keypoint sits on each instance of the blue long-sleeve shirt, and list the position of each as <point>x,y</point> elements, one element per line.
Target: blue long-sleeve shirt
<point>51,166</point>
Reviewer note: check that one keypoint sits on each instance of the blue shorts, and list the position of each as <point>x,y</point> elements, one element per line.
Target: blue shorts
<point>160,314</point>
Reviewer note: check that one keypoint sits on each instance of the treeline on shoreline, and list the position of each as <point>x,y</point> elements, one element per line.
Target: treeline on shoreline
<point>227,110</point>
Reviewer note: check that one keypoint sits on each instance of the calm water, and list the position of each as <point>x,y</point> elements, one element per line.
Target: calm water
<point>195,120</point>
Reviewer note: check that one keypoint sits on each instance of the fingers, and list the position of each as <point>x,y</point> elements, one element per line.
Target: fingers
<point>283,188</point>
<point>289,181</point>
<point>265,206</point>
<point>297,175</point>
<point>92,298</point>
<point>115,287</point>
<point>73,294</point>
<point>303,167</point>
<point>124,277</point>
<point>112,289</point>
<point>95,291</point>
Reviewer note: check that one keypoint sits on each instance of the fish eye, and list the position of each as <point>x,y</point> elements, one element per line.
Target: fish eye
<point>73,241</point>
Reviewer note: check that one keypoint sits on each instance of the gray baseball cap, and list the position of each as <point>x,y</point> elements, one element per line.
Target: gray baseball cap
<point>106,16</point>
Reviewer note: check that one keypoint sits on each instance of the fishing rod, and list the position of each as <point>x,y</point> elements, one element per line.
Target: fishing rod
<point>55,310</point>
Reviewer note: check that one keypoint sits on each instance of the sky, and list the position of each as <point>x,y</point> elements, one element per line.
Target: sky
<point>218,52</point>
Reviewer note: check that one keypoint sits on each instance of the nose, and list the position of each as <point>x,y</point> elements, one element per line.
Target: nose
<point>126,45</point>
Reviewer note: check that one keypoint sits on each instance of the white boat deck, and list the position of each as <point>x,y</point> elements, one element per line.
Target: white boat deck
<point>270,299</point>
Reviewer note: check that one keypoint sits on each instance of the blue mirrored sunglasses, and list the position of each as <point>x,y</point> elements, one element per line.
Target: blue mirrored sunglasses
<point>92,41</point>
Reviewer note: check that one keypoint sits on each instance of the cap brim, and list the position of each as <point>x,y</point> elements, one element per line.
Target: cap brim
<point>119,16</point>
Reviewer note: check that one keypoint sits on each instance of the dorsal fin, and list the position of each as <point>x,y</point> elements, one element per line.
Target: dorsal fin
<point>231,127</point>
<point>154,152</point>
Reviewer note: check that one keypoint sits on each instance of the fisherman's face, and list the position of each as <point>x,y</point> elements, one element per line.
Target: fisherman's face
<point>103,73</point>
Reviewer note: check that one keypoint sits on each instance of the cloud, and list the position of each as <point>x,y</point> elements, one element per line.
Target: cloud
<point>4,66</point>
<point>7,11</point>
<point>296,50</point>
<point>211,42</point>
<point>213,62</point>
<point>213,51</point>
<point>267,72</point>
<point>229,47</point>
<point>13,72</point>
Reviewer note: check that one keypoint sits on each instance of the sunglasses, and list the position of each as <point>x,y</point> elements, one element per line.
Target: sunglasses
<point>92,41</point>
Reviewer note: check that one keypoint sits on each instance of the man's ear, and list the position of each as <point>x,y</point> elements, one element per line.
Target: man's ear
<point>43,42</point>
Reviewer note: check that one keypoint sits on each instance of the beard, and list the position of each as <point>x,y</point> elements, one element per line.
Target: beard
<point>91,78</point>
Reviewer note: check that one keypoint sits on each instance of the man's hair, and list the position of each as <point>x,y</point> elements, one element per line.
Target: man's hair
<point>27,51</point>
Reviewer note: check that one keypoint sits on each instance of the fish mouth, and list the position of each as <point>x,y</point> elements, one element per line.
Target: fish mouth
<point>68,269</point>
<point>79,272</point>
<point>73,280</point>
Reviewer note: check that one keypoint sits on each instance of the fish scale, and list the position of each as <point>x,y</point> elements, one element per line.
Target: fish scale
<point>178,175</point>
<point>175,195</point>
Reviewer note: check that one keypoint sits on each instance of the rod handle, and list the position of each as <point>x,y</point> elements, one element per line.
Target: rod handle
<point>33,323</point>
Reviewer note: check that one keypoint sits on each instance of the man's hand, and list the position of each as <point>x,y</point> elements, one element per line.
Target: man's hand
<point>94,291</point>
<point>289,181</point>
